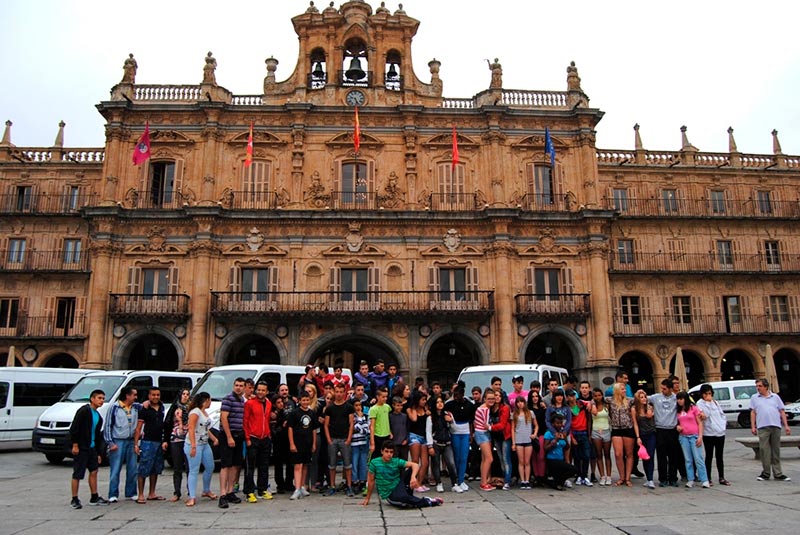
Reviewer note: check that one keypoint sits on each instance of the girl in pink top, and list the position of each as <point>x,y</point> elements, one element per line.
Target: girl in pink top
<point>483,437</point>
<point>690,427</point>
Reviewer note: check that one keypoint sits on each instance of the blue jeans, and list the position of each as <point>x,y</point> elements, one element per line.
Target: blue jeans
<point>693,457</point>
<point>123,454</point>
<point>580,454</point>
<point>204,456</point>
<point>460,453</point>
<point>360,454</point>
<point>503,448</point>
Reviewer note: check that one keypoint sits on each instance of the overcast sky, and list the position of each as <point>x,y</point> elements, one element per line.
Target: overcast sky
<point>705,64</point>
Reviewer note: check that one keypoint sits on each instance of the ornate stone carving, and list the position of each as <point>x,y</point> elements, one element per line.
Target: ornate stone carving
<point>315,195</point>
<point>156,239</point>
<point>226,201</point>
<point>282,197</point>
<point>204,247</point>
<point>452,240</point>
<point>354,240</point>
<point>255,239</point>
<point>394,197</point>
<point>498,249</point>
<point>208,70</point>
<point>131,198</point>
<point>129,70</point>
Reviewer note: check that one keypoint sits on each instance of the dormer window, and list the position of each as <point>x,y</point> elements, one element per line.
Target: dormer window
<point>393,81</point>
<point>318,76</point>
<point>355,68</point>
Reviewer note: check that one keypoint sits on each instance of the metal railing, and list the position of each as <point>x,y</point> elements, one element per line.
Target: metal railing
<point>252,200</point>
<point>354,200</point>
<point>696,324</point>
<point>149,306</point>
<point>155,200</point>
<point>387,304</point>
<point>710,262</point>
<point>537,202</point>
<point>53,261</point>
<point>533,306</point>
<point>45,327</point>
<point>454,202</point>
<point>44,203</point>
<point>711,208</point>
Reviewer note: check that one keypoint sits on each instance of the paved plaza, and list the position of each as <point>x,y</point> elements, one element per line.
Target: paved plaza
<point>34,499</point>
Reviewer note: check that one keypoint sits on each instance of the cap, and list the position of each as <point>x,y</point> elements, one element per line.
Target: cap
<point>516,378</point>
<point>309,366</point>
<point>572,393</point>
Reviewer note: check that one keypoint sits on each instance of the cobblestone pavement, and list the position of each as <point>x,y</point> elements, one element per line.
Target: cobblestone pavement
<point>34,499</point>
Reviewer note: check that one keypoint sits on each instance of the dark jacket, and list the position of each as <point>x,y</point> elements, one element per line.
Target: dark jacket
<point>80,432</point>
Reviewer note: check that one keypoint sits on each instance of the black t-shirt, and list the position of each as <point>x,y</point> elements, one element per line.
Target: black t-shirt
<point>463,411</point>
<point>339,419</point>
<point>303,423</point>
<point>153,423</point>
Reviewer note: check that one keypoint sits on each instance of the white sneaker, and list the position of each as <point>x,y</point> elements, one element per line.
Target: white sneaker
<point>650,485</point>
<point>296,495</point>
<point>464,486</point>
<point>439,487</point>
<point>568,484</point>
<point>689,484</point>
<point>578,481</point>
<point>304,492</point>
<point>113,499</point>
<point>587,482</point>
<point>706,484</point>
<point>457,489</point>
<point>608,481</point>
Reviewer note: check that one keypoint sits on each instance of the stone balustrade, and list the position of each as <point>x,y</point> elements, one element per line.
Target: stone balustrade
<point>167,92</point>
<point>700,159</point>
<point>247,100</point>
<point>458,103</point>
<point>54,155</point>
<point>534,99</point>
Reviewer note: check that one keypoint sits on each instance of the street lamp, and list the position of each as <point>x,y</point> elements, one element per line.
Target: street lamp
<point>154,351</point>
<point>452,349</point>
<point>688,369</point>
<point>253,351</point>
<point>635,368</point>
<point>737,367</point>
<point>548,349</point>
<point>785,365</point>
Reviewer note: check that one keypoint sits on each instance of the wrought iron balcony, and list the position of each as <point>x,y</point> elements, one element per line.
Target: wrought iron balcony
<point>535,202</point>
<point>335,305</point>
<point>45,327</point>
<point>704,325</point>
<point>15,261</point>
<point>155,200</point>
<point>354,200</point>
<point>704,208</point>
<point>533,307</point>
<point>250,200</point>
<point>454,202</point>
<point>164,307</point>
<point>44,203</point>
<point>703,263</point>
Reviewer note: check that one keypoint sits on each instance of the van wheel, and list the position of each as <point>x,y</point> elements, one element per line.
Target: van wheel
<point>744,419</point>
<point>54,458</point>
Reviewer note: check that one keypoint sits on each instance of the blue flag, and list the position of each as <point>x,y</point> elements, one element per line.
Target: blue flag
<point>548,147</point>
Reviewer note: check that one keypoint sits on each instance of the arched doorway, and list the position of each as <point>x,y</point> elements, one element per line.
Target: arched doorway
<point>736,364</point>
<point>695,371</point>
<point>787,364</point>
<point>550,348</point>
<point>448,355</point>
<point>639,369</point>
<point>153,352</point>
<point>253,348</point>
<point>61,360</point>
<point>349,351</point>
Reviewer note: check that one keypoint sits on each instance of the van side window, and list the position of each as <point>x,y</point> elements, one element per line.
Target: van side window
<point>3,394</point>
<point>142,385</point>
<point>722,394</point>
<point>273,379</point>
<point>545,380</point>
<point>38,394</point>
<point>171,387</point>
<point>744,392</point>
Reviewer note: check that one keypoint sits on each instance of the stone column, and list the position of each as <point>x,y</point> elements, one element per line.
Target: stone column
<point>100,255</point>
<point>197,357</point>
<point>504,328</point>
<point>601,306</point>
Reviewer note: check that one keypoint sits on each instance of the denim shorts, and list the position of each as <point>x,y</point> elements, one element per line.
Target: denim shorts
<point>482,437</point>
<point>604,435</point>
<point>151,460</point>
<point>414,438</point>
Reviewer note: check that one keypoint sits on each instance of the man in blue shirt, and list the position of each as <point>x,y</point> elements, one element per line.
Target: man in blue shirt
<point>767,415</point>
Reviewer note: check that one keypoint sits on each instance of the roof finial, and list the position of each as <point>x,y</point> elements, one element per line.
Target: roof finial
<point>59,142</point>
<point>637,140</point>
<point>685,145</point>
<point>731,141</point>
<point>7,134</point>
<point>776,144</point>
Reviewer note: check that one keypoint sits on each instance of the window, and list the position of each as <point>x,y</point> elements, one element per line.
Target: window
<point>3,395</point>
<point>16,251</point>
<point>9,313</point>
<point>542,185</point>
<point>273,380</point>
<point>546,283</point>
<point>742,392</point>
<point>452,284</point>
<point>718,204</point>
<point>625,251</point>
<point>256,183</point>
<point>722,394</point>
<point>620,198</point>
<point>24,198</point>
<point>255,284</point>
<point>73,198</point>
<point>733,311</point>
<point>682,309</point>
<point>72,251</point>
<point>764,202</point>
<point>65,314</point>
<point>354,183</point>
<point>354,284</point>
<point>725,254</point>
<point>156,281</point>
<point>38,394</point>
<point>779,307</point>
<point>772,255</point>
<point>162,184</point>
<point>631,312</point>
<point>669,201</point>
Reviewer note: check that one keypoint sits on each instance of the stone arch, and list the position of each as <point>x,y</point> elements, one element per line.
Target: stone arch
<point>120,356</point>
<point>751,365</point>
<point>641,367</point>
<point>356,330</point>
<point>55,358</point>
<point>473,336</point>
<point>235,335</point>
<point>580,354</point>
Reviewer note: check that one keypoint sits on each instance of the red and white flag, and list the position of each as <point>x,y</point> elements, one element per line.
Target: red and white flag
<point>249,158</point>
<point>455,149</point>
<point>357,133</point>
<point>142,150</point>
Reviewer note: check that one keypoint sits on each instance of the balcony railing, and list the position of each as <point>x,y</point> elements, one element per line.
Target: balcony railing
<point>531,307</point>
<point>155,200</point>
<point>705,208</point>
<point>164,307</point>
<point>454,202</point>
<point>252,200</point>
<point>44,203</point>
<point>45,327</point>
<point>534,202</point>
<point>344,81</point>
<point>316,82</point>
<point>332,305</point>
<point>703,263</point>
<point>711,325</point>
<point>354,200</point>
<point>16,261</point>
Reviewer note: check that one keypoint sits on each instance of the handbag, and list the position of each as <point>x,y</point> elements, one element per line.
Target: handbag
<point>643,455</point>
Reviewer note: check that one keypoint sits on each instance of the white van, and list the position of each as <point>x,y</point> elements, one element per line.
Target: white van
<point>24,394</point>
<point>51,434</point>
<point>733,397</point>
<point>482,375</point>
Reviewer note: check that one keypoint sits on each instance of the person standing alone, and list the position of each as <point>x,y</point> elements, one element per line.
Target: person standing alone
<point>766,418</point>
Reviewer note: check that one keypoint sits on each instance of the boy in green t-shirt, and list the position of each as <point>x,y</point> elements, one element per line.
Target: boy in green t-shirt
<point>395,478</point>
<point>379,422</point>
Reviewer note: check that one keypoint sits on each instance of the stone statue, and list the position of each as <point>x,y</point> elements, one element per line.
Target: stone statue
<point>208,71</point>
<point>497,74</point>
<point>129,70</point>
<point>573,80</point>
<point>394,196</point>
<point>315,195</point>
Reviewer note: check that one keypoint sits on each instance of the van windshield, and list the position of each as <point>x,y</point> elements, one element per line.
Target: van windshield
<point>483,379</point>
<point>219,383</point>
<point>83,388</point>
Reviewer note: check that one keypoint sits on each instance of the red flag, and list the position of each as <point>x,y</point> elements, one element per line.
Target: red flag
<point>142,150</point>
<point>249,158</point>
<point>357,133</point>
<point>455,149</point>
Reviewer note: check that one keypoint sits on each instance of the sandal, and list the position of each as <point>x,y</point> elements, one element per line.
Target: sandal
<point>174,498</point>
<point>618,483</point>
<point>628,483</point>
<point>210,495</point>
<point>190,502</point>
<point>725,482</point>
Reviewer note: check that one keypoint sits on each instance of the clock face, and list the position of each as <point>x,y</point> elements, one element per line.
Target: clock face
<point>355,98</point>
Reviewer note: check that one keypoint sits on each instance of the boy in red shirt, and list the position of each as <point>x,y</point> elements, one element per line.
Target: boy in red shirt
<point>257,412</point>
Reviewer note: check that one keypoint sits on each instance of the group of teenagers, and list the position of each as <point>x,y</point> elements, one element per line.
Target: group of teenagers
<point>395,438</point>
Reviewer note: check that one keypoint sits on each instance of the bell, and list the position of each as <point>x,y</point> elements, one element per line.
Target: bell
<point>318,73</point>
<point>355,72</point>
<point>392,74</point>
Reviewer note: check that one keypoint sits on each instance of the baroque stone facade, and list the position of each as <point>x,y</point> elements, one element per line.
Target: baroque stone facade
<point>397,249</point>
